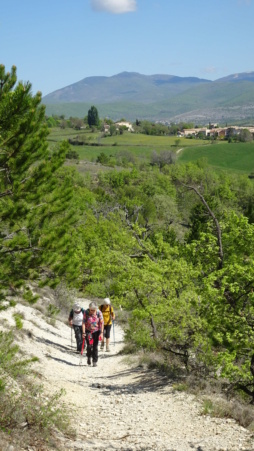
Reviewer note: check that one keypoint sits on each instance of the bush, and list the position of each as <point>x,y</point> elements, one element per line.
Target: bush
<point>24,407</point>
<point>72,155</point>
<point>18,320</point>
<point>221,408</point>
<point>102,158</point>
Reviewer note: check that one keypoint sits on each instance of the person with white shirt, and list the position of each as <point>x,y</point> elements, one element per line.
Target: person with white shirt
<point>75,320</point>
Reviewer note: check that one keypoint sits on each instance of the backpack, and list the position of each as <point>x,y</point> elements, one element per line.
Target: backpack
<point>110,317</point>
<point>72,311</point>
<point>101,306</point>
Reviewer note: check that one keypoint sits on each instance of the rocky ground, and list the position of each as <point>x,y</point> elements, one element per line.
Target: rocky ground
<point>119,405</point>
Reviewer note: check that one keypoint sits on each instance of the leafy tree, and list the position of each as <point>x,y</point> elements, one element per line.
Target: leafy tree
<point>52,122</point>
<point>112,129</point>
<point>75,122</point>
<point>245,135</point>
<point>93,117</point>
<point>163,158</point>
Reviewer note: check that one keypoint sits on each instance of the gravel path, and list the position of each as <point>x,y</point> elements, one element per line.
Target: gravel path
<point>117,405</point>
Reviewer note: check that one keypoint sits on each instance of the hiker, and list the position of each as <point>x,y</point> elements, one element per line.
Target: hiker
<point>108,315</point>
<point>75,320</point>
<point>92,328</point>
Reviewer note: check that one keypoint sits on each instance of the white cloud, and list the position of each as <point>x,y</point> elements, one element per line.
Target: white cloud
<point>114,6</point>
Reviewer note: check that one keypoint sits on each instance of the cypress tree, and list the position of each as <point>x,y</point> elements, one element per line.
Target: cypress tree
<point>93,116</point>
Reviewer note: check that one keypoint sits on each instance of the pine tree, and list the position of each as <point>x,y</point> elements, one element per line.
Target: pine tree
<point>34,196</point>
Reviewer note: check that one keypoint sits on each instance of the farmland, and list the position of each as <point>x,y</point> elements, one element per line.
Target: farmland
<point>221,155</point>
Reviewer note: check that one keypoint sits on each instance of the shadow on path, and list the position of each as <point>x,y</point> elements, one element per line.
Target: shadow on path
<point>142,381</point>
<point>63,361</point>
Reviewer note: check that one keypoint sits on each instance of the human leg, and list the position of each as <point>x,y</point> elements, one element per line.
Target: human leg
<point>88,351</point>
<point>95,346</point>
<point>107,335</point>
<point>78,336</point>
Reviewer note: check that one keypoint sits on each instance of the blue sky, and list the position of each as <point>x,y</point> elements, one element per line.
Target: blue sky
<point>55,43</point>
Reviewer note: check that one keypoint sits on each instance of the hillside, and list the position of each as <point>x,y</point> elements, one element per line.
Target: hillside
<point>123,87</point>
<point>118,405</point>
<point>157,97</point>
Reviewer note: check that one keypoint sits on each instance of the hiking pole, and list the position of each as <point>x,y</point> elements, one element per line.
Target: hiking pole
<point>114,332</point>
<point>82,350</point>
<point>71,337</point>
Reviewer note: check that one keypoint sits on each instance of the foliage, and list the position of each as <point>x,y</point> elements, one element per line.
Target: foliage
<point>163,158</point>
<point>34,193</point>
<point>72,155</point>
<point>245,135</point>
<point>18,320</point>
<point>102,158</point>
<point>176,292</point>
<point>18,395</point>
<point>93,116</point>
<point>11,365</point>
<point>171,243</point>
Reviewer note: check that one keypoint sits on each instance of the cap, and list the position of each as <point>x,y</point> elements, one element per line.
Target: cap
<point>106,301</point>
<point>76,307</point>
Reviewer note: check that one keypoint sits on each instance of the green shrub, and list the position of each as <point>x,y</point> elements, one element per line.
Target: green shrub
<point>72,155</point>
<point>18,320</point>
<point>24,406</point>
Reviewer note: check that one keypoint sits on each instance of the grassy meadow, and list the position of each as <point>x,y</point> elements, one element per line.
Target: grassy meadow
<point>138,144</point>
<point>236,157</point>
<point>221,155</point>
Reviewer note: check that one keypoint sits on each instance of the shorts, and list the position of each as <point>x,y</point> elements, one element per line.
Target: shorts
<point>107,331</point>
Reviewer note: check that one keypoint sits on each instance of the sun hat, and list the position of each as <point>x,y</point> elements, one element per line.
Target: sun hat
<point>76,307</point>
<point>106,301</point>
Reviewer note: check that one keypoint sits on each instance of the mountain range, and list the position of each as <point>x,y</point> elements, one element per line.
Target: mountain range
<point>168,98</point>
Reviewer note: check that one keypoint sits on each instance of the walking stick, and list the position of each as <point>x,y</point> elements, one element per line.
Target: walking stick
<point>71,337</point>
<point>114,332</point>
<point>83,346</point>
<point>82,350</point>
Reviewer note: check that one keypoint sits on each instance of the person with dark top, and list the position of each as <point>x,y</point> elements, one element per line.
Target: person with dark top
<point>75,320</point>
<point>92,331</point>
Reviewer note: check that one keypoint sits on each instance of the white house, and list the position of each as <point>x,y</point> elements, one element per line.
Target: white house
<point>126,124</point>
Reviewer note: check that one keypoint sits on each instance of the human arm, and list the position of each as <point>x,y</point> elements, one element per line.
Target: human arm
<point>101,325</point>
<point>70,318</point>
<point>84,326</point>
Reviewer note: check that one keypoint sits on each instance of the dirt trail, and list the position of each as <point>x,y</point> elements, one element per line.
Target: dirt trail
<point>117,405</point>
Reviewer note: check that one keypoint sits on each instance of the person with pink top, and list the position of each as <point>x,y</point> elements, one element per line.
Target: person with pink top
<point>92,331</point>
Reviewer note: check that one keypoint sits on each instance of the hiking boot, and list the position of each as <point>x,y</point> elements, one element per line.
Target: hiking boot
<point>94,363</point>
<point>107,349</point>
<point>102,346</point>
<point>89,361</point>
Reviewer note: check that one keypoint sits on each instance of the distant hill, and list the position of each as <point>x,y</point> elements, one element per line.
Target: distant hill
<point>158,97</point>
<point>124,87</point>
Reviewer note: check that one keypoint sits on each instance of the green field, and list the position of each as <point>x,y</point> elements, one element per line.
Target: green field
<point>237,157</point>
<point>140,145</point>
